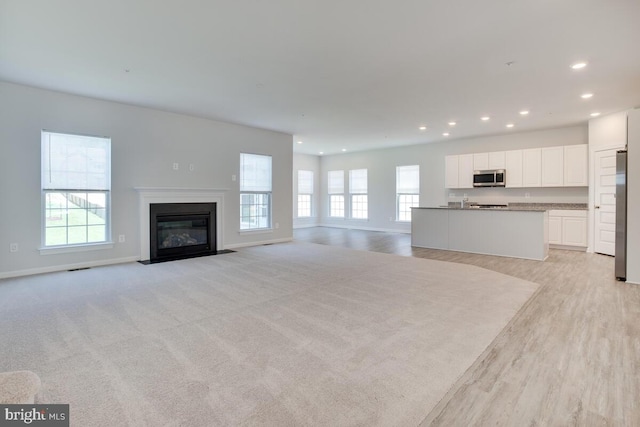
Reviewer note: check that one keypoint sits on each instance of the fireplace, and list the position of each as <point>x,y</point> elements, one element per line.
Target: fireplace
<point>181,230</point>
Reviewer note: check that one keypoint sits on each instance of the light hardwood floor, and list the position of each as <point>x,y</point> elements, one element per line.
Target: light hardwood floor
<point>571,356</point>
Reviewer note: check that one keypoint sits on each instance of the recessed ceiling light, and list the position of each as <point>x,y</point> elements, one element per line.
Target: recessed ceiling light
<point>299,142</point>
<point>579,65</point>
<point>485,118</point>
<point>445,134</point>
<point>452,123</point>
<point>596,114</point>
<point>321,152</point>
<point>344,149</point>
<point>586,95</point>
<point>524,112</point>
<point>509,125</point>
<point>422,128</point>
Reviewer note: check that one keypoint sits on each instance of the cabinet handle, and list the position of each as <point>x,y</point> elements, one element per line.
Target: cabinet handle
<point>597,207</point>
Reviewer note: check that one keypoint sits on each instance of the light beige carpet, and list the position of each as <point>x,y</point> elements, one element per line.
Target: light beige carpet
<point>290,334</point>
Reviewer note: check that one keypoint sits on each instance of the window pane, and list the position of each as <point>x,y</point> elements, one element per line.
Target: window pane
<point>255,211</point>
<point>96,233</point>
<point>55,217</point>
<point>77,235</point>
<point>359,206</point>
<point>56,236</point>
<point>405,203</point>
<point>336,206</point>
<point>304,205</point>
<point>77,211</point>
<point>97,217</point>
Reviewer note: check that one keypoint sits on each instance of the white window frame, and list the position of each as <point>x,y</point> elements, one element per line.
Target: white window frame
<point>305,194</point>
<point>335,185</point>
<point>407,186</point>
<point>256,174</point>
<point>358,194</point>
<point>74,169</point>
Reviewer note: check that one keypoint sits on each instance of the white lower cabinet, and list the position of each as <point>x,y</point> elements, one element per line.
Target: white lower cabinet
<point>555,229</point>
<point>568,228</point>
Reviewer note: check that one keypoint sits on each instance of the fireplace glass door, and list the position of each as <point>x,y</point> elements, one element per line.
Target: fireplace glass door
<point>179,231</point>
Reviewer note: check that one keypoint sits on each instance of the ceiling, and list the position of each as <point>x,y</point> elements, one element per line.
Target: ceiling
<point>350,74</point>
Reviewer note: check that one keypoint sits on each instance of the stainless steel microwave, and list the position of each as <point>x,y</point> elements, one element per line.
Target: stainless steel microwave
<point>489,178</point>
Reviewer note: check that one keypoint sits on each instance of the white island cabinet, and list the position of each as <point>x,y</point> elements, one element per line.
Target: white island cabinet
<point>501,232</point>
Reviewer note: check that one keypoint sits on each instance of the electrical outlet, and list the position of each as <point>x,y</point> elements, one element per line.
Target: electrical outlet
<point>527,195</point>
<point>452,195</point>
<point>277,225</point>
<point>464,195</point>
<point>13,247</point>
<point>192,167</point>
<point>176,166</point>
<point>121,238</point>
<point>233,177</point>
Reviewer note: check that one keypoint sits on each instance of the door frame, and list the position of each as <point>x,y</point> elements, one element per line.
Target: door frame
<point>592,189</point>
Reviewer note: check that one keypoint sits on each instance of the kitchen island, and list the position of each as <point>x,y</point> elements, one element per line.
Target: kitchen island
<point>516,233</point>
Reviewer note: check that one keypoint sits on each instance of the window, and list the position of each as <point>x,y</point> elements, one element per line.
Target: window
<point>305,192</point>
<point>407,191</point>
<point>336,194</point>
<point>255,191</point>
<point>76,184</point>
<point>358,192</point>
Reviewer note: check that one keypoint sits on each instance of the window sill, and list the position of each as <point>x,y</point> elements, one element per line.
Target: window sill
<point>53,250</point>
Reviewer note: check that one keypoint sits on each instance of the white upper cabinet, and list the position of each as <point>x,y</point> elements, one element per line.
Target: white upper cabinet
<point>513,168</point>
<point>451,171</point>
<point>552,163</point>
<point>465,171</point>
<point>563,166</point>
<point>576,165</point>
<point>531,167</point>
<point>480,161</point>
<point>497,160</point>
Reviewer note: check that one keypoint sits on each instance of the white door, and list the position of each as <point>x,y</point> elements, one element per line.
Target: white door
<point>605,202</point>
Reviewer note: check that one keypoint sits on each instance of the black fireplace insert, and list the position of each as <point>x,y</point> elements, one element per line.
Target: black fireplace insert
<point>182,230</point>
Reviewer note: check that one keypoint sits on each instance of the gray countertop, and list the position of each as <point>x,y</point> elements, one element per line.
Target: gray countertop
<point>528,207</point>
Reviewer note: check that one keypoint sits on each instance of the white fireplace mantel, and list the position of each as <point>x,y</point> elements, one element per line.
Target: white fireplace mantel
<point>149,195</point>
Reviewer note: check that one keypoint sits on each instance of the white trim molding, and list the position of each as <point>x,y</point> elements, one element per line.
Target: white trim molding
<point>149,195</point>
<point>56,268</point>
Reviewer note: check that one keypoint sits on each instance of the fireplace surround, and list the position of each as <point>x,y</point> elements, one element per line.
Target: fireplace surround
<point>152,195</point>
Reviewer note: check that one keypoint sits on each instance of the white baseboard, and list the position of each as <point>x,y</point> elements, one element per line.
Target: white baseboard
<point>568,247</point>
<point>358,227</point>
<point>55,268</point>
<point>306,226</point>
<point>263,242</point>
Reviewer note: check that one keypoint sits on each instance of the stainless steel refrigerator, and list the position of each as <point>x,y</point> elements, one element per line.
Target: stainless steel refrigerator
<point>621,215</point>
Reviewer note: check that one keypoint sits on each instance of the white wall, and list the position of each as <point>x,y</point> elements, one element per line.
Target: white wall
<point>309,163</point>
<point>633,198</point>
<point>381,166</point>
<point>145,144</point>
